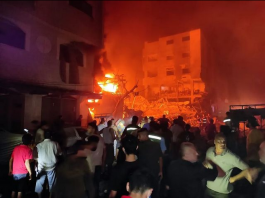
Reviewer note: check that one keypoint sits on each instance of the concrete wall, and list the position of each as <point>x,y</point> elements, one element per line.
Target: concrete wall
<point>55,23</point>
<point>32,110</point>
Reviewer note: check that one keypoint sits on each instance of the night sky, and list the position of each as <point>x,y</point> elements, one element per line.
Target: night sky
<point>235,30</point>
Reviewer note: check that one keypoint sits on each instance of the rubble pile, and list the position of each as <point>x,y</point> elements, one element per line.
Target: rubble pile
<point>163,106</point>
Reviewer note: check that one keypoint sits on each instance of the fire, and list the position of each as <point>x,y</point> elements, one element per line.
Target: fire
<point>109,85</point>
<point>91,111</point>
<point>92,100</point>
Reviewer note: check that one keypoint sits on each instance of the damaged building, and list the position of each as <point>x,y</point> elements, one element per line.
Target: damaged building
<point>179,67</point>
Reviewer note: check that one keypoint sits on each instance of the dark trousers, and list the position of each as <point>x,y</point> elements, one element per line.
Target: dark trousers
<point>97,177</point>
<point>213,194</point>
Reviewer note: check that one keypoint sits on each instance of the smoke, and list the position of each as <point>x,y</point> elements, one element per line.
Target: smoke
<point>234,30</point>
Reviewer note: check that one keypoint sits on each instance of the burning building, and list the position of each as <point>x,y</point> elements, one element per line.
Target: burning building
<point>177,67</point>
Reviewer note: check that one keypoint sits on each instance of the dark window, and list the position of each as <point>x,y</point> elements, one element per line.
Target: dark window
<point>11,34</point>
<point>186,38</point>
<point>185,71</point>
<point>83,6</point>
<point>169,42</point>
<point>65,56</point>
<point>170,73</point>
<point>185,55</point>
<point>170,57</point>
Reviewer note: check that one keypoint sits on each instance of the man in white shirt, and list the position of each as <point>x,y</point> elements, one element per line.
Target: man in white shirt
<point>47,152</point>
<point>39,137</point>
<point>102,124</point>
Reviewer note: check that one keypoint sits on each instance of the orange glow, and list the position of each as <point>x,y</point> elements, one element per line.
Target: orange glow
<point>109,75</point>
<point>90,101</point>
<point>91,111</point>
<point>109,85</point>
<point>96,100</point>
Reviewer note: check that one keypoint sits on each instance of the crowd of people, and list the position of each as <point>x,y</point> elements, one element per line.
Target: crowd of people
<point>153,158</point>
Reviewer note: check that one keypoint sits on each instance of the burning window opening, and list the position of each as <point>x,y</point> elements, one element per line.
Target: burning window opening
<point>110,84</point>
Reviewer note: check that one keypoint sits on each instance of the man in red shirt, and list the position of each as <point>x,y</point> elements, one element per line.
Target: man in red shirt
<point>140,184</point>
<point>19,166</point>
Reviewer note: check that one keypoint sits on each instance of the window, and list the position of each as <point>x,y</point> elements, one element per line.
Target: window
<point>152,58</point>
<point>185,55</point>
<point>169,42</point>
<point>186,38</point>
<point>170,72</point>
<point>170,57</point>
<point>83,6</point>
<point>65,55</point>
<point>151,74</point>
<point>11,34</point>
<point>185,71</point>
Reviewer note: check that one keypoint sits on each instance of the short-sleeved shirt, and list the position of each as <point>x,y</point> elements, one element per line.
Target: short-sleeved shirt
<point>20,154</point>
<point>47,155</point>
<point>226,161</point>
<point>120,176</point>
<point>148,155</point>
<point>185,178</point>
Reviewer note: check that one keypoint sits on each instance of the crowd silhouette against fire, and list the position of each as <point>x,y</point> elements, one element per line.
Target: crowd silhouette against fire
<point>148,158</point>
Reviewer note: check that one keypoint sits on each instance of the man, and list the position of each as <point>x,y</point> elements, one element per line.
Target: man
<point>102,124</point>
<point>210,130</point>
<point>147,123</point>
<point>19,166</point>
<point>140,184</point>
<point>121,172</point>
<point>150,157</point>
<point>109,137</point>
<point>185,175</point>
<point>132,128</point>
<point>254,139</point>
<point>176,130</point>
<point>39,137</point>
<point>47,152</point>
<point>98,156</point>
<point>186,136</point>
<point>74,178</point>
<point>224,158</point>
<point>163,120</point>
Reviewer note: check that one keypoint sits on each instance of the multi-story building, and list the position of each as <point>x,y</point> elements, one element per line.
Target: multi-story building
<point>174,67</point>
<point>47,53</point>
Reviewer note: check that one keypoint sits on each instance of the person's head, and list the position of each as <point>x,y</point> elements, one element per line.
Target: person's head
<point>151,118</point>
<point>175,121</point>
<point>211,121</point>
<point>44,125</point>
<point>102,120</point>
<point>143,134</point>
<point>26,139</point>
<point>109,123</point>
<point>91,142</point>
<point>134,120</point>
<point>47,134</point>
<point>187,127</point>
<point>164,116</point>
<point>262,152</point>
<point>227,114</point>
<point>129,144</point>
<point>92,128</point>
<point>146,119</point>
<point>252,122</point>
<point>220,142</point>
<point>180,118</point>
<point>188,152</point>
<point>141,184</point>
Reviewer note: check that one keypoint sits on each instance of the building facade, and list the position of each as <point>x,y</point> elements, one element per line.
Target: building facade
<point>173,67</point>
<point>47,54</point>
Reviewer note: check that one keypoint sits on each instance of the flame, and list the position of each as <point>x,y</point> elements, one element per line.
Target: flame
<point>109,85</point>
<point>90,101</point>
<point>91,111</point>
